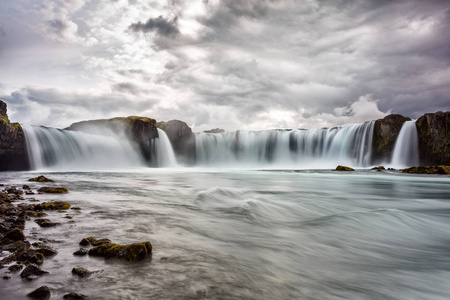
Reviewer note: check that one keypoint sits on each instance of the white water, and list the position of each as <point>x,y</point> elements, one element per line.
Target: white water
<point>315,148</point>
<point>249,235</point>
<point>164,151</point>
<point>406,150</point>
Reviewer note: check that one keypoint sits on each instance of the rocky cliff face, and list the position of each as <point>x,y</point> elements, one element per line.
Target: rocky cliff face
<point>13,149</point>
<point>182,139</point>
<point>385,134</point>
<point>140,130</point>
<point>434,138</point>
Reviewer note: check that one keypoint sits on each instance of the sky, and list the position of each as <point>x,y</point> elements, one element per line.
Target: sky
<point>253,64</point>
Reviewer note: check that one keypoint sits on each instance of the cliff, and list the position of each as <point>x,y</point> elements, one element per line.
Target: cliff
<point>181,138</point>
<point>434,138</point>
<point>13,149</point>
<point>385,133</point>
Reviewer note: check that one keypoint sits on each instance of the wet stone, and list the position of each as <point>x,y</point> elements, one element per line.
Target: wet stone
<point>81,272</point>
<point>41,178</point>
<point>15,235</point>
<point>15,268</point>
<point>81,252</point>
<point>43,292</point>
<point>32,270</point>
<point>74,296</point>
<point>45,223</point>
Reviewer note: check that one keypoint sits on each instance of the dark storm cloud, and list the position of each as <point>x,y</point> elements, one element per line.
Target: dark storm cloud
<point>160,25</point>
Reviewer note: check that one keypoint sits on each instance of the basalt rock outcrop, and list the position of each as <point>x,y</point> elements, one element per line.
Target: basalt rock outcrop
<point>181,138</point>
<point>385,133</point>
<point>141,130</point>
<point>433,131</point>
<point>13,150</point>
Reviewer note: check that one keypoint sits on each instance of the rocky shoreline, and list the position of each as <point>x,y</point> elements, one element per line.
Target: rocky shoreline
<point>22,256</point>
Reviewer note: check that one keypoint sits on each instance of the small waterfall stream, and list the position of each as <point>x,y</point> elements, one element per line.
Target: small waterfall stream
<point>406,149</point>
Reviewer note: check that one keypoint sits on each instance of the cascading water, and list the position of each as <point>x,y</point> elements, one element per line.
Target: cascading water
<point>164,151</point>
<point>50,148</point>
<point>406,149</point>
<point>316,148</point>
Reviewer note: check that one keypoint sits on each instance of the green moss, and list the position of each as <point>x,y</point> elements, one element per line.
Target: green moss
<point>441,170</point>
<point>57,205</point>
<point>36,214</point>
<point>53,190</point>
<point>41,178</point>
<point>344,168</point>
<point>68,217</point>
<point>132,252</point>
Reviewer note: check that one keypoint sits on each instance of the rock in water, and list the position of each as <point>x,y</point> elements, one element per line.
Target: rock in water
<point>344,168</point>
<point>133,252</point>
<point>32,270</point>
<point>53,190</point>
<point>81,272</point>
<point>41,178</point>
<point>442,170</point>
<point>74,296</point>
<point>43,292</point>
<point>15,235</point>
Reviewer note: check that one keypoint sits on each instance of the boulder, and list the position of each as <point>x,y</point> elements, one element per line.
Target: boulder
<point>74,296</point>
<point>385,133</point>
<point>13,149</point>
<point>55,205</point>
<point>182,139</point>
<point>442,170</point>
<point>133,252</point>
<point>15,235</point>
<point>45,223</point>
<point>40,178</point>
<point>53,190</point>
<point>344,168</point>
<point>43,292</point>
<point>32,270</point>
<point>434,138</point>
<point>81,272</point>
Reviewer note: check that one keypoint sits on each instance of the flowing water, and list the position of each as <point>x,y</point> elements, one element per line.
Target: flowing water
<point>406,150</point>
<point>324,148</point>
<point>249,234</point>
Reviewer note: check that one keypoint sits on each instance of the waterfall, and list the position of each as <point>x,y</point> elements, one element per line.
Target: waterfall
<point>164,151</point>
<point>52,148</point>
<point>406,149</point>
<point>315,148</point>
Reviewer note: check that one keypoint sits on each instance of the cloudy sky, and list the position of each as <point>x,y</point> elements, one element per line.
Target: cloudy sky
<point>253,64</point>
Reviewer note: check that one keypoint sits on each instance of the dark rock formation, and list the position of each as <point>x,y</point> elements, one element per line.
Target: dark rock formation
<point>385,133</point>
<point>140,130</point>
<point>43,292</point>
<point>344,168</point>
<point>81,272</point>
<point>133,252</point>
<point>40,178</point>
<point>15,235</point>
<point>81,252</point>
<point>13,150</point>
<point>181,138</point>
<point>74,296</point>
<point>442,170</point>
<point>215,130</point>
<point>53,190</point>
<point>45,223</point>
<point>32,270</point>
<point>434,138</point>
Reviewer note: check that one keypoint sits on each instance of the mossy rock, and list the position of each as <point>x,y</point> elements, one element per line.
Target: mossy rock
<point>15,235</point>
<point>36,214</point>
<point>441,170</point>
<point>45,223</point>
<point>44,292</point>
<point>56,205</point>
<point>53,190</point>
<point>41,178</point>
<point>344,168</point>
<point>76,208</point>
<point>132,252</point>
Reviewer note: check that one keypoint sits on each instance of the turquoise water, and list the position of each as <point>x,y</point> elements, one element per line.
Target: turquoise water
<point>249,234</point>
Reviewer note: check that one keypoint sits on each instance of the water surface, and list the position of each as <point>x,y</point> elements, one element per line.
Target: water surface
<point>249,234</point>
